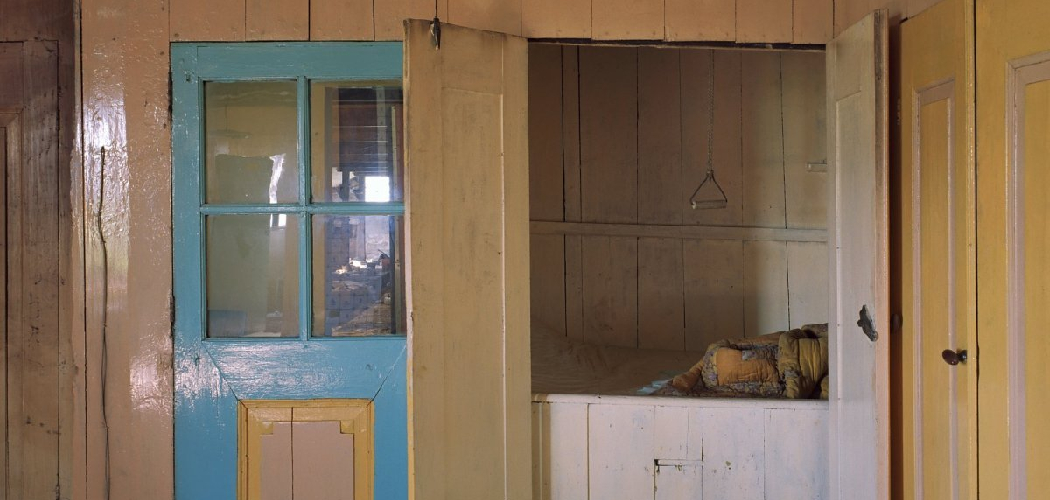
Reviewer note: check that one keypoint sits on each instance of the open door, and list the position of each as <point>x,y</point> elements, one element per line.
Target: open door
<point>467,230</point>
<point>859,235</point>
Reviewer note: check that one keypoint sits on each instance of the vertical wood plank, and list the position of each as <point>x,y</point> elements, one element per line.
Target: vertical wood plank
<point>813,21</point>
<point>547,261</point>
<point>574,287</point>
<point>696,117</point>
<point>573,190</point>
<point>610,291</point>
<point>277,19</point>
<point>679,480</point>
<point>566,438</point>
<point>659,136</point>
<point>609,134</point>
<point>5,136</point>
<point>707,20</point>
<point>621,451</point>
<point>224,22</point>
<point>793,471</point>
<point>808,282</point>
<point>714,292</point>
<point>764,21</point>
<point>734,453</point>
<point>493,15</point>
<point>540,453</point>
<point>34,20</point>
<point>627,20</point>
<point>546,175</point>
<point>661,312</point>
<point>804,139</point>
<point>763,140</point>
<point>16,310</point>
<point>670,432</point>
<point>341,20</point>
<point>765,287</point>
<point>11,79</point>
<point>39,376</point>
<point>390,15</point>
<point>556,18</point>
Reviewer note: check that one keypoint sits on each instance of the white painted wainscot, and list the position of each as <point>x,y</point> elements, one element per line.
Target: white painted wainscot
<point>659,448</point>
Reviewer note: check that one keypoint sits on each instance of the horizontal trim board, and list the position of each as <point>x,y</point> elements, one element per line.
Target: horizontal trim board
<point>682,232</point>
<point>677,402</point>
<point>315,60</point>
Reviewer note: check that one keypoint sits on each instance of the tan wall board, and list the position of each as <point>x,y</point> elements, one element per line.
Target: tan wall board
<point>224,22</point>
<point>493,15</point>
<point>546,175</point>
<point>341,20</point>
<point>659,125</point>
<point>814,21</point>
<point>707,20</point>
<point>696,123</point>
<point>765,287</point>
<point>766,21</point>
<point>277,19</point>
<point>609,133</point>
<point>661,309</point>
<point>610,291</point>
<point>714,292</point>
<point>556,18</point>
<point>627,19</point>
<point>390,15</point>
<point>763,140</point>
<point>804,139</point>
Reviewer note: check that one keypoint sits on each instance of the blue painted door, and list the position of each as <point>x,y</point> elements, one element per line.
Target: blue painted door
<point>287,163</point>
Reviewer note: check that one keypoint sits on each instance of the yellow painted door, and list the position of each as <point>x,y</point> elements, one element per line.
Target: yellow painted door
<point>1013,237</point>
<point>937,431</point>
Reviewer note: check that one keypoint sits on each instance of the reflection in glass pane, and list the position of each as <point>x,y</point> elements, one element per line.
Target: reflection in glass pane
<point>251,142</point>
<point>252,268</point>
<point>356,150</point>
<point>357,285</point>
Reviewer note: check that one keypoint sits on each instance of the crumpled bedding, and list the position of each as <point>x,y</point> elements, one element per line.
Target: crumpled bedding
<point>790,364</point>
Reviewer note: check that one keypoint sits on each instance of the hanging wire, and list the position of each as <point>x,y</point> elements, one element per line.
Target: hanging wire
<point>720,201</point>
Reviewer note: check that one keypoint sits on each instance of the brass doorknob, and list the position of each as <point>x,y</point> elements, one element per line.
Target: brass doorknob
<point>954,357</point>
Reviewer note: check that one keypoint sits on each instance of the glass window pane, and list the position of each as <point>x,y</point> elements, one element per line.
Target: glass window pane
<point>356,150</point>
<point>253,280</point>
<point>357,287</point>
<point>251,142</point>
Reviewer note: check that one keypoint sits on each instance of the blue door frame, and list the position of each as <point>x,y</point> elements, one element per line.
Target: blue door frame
<point>212,375</point>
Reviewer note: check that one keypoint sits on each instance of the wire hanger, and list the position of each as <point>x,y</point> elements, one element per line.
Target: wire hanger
<point>719,200</point>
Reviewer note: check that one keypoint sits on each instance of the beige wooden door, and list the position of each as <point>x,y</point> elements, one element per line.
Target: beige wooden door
<point>859,258</point>
<point>938,273</point>
<point>467,219</point>
<point>1013,238</point>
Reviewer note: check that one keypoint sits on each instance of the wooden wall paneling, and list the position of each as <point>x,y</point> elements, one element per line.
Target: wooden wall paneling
<point>763,140</point>
<point>727,159</point>
<point>804,139</point>
<point>714,292</point>
<point>492,15</point>
<point>572,189</point>
<point>4,165</point>
<point>341,20</point>
<point>661,307</point>
<point>547,261</point>
<point>807,283</point>
<point>670,439</point>
<point>707,20</point>
<point>915,7</point>
<point>627,19</point>
<point>621,451</point>
<point>540,453</point>
<point>224,22</point>
<point>125,68</point>
<point>556,18</point>
<point>11,348</point>
<point>565,435</point>
<point>277,19</point>
<point>390,15</point>
<point>11,79</point>
<point>659,136</point>
<point>765,287</point>
<point>814,21</point>
<point>609,134</point>
<point>848,12</point>
<point>39,375</point>
<point>764,21</point>
<point>546,175</point>
<point>23,20</point>
<point>610,291</point>
<point>734,461</point>
<point>791,472</point>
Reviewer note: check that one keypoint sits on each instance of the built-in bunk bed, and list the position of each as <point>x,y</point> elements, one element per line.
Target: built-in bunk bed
<point>679,272</point>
